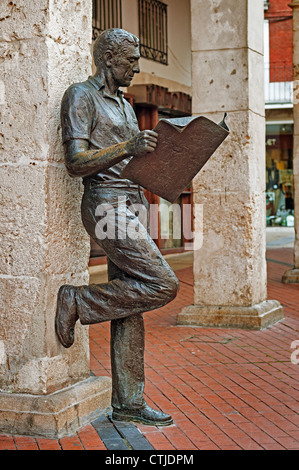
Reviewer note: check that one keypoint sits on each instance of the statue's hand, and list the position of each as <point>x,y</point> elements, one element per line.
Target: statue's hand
<point>142,143</point>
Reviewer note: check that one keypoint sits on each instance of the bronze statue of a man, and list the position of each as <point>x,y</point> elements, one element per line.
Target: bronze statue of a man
<point>100,136</point>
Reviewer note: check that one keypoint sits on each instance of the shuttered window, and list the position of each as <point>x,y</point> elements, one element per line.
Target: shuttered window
<point>106,14</point>
<point>153,30</point>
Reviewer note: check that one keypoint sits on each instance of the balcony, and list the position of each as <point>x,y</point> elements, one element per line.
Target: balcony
<point>278,85</point>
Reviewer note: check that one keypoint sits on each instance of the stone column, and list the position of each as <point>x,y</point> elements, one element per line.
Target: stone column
<point>292,275</point>
<point>230,284</point>
<point>45,390</point>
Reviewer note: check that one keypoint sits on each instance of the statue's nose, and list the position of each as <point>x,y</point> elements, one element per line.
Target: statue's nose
<point>136,68</point>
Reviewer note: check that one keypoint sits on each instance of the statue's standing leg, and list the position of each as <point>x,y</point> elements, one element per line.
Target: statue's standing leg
<point>127,356</point>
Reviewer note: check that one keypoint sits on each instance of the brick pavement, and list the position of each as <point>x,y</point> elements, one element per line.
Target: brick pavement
<point>225,388</point>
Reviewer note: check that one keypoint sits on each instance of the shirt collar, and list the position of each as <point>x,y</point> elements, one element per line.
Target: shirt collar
<point>97,82</point>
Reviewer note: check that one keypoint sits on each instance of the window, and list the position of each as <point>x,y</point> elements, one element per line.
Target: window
<point>105,14</point>
<point>153,30</point>
<point>279,174</point>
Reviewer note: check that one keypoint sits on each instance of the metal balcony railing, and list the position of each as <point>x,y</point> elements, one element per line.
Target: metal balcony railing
<point>153,30</point>
<point>105,14</point>
<point>278,84</point>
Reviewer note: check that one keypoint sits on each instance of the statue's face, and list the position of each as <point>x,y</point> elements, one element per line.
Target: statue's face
<point>124,65</point>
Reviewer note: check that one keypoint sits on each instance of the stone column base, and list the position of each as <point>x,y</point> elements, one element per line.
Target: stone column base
<point>255,317</point>
<point>291,276</point>
<point>56,415</point>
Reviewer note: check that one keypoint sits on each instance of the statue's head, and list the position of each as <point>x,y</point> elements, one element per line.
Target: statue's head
<point>117,50</point>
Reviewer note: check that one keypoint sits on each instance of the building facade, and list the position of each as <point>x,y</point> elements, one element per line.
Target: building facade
<point>161,90</point>
<point>279,113</point>
<point>45,47</point>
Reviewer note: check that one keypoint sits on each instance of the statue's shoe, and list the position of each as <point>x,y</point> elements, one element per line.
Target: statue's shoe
<point>144,415</point>
<point>66,315</point>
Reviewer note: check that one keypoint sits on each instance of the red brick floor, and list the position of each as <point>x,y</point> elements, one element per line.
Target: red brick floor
<point>225,388</point>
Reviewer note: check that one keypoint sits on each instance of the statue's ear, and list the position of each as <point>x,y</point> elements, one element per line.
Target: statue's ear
<point>108,58</point>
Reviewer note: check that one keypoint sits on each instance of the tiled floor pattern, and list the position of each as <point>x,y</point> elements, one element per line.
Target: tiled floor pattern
<point>225,388</point>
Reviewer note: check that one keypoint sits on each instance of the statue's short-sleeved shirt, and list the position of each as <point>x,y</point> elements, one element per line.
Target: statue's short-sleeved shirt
<point>89,113</point>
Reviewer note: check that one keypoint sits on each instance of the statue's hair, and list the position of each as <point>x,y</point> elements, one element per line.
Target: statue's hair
<point>114,40</point>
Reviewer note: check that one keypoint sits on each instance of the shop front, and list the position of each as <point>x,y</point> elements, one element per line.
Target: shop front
<point>279,174</point>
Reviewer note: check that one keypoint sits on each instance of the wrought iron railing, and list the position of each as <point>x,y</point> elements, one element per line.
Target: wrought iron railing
<point>105,14</point>
<point>281,72</point>
<point>153,30</point>
<point>278,83</point>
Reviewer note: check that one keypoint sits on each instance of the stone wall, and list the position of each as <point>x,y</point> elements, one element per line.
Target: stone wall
<point>45,390</point>
<point>42,240</point>
<point>227,72</point>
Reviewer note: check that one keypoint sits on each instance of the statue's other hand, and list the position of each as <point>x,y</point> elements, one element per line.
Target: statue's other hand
<point>142,143</point>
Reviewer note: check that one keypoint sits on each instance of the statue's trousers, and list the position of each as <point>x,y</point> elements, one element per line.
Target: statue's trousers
<point>139,280</point>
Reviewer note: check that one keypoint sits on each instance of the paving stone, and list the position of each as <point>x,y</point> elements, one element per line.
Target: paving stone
<point>225,388</point>
<point>109,434</point>
<point>133,436</point>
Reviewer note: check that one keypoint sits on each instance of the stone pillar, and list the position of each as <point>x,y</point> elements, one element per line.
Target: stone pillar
<point>292,275</point>
<point>230,283</point>
<point>45,390</point>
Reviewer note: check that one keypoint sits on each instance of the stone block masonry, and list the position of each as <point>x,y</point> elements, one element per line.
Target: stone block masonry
<point>292,275</point>
<point>44,47</point>
<point>230,277</point>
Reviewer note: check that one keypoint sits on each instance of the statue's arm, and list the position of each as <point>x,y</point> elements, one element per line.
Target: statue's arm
<point>82,161</point>
<point>77,113</point>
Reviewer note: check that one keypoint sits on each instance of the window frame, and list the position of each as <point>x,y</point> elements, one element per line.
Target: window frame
<point>153,30</point>
<point>105,14</point>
